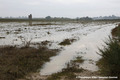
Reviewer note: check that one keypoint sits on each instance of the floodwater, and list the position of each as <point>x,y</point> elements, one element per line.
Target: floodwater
<point>89,36</point>
<point>87,47</point>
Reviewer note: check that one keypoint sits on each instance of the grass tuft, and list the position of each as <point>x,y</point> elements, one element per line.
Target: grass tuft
<point>79,60</point>
<point>67,42</point>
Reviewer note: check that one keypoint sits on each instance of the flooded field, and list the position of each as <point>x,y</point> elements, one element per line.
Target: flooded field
<point>87,36</point>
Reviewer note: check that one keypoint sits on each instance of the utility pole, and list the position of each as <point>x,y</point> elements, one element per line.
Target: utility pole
<point>30,19</point>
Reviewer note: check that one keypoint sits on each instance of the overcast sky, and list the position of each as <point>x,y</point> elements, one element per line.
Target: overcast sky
<point>59,8</point>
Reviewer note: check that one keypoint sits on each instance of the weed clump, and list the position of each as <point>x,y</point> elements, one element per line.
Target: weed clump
<point>109,64</point>
<point>2,37</point>
<point>79,60</point>
<point>67,42</point>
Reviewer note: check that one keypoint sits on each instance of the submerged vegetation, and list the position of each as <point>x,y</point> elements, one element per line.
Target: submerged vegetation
<point>67,42</point>
<point>78,60</point>
<point>109,64</point>
<point>16,62</point>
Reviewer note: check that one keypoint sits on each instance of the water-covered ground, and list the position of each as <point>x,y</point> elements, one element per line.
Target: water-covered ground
<point>89,36</point>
